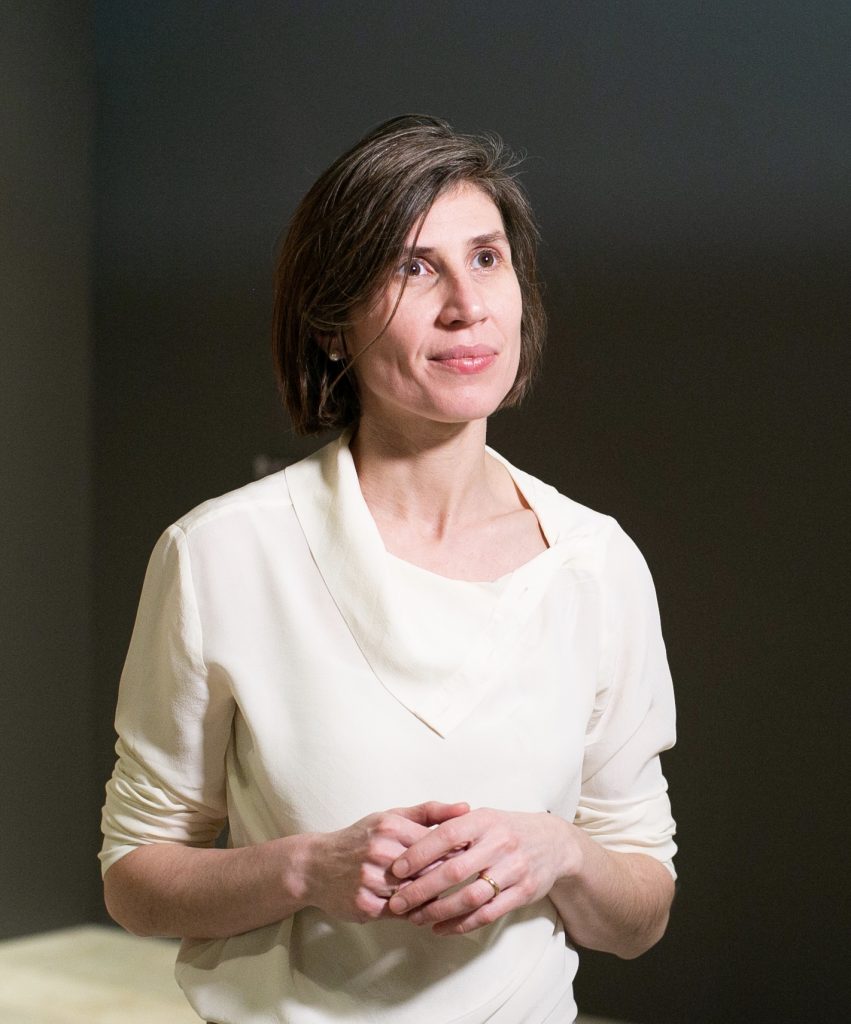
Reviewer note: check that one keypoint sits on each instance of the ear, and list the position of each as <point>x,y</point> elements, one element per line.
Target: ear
<point>332,345</point>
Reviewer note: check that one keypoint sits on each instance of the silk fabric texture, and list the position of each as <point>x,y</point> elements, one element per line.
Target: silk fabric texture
<point>285,676</point>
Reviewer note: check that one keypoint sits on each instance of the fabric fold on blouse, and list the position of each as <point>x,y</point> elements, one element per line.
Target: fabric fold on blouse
<point>284,675</point>
<point>352,559</point>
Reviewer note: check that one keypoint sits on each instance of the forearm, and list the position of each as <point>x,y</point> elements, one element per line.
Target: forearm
<point>614,902</point>
<point>166,889</point>
<point>173,890</point>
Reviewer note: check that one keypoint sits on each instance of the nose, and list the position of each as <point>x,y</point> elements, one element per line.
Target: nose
<point>462,301</point>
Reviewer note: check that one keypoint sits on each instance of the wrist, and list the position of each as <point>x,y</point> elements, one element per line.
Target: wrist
<point>297,877</point>
<point>577,853</point>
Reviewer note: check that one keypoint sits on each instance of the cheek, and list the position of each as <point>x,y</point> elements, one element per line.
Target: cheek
<point>512,308</point>
<point>367,323</point>
<point>381,367</point>
<point>516,329</point>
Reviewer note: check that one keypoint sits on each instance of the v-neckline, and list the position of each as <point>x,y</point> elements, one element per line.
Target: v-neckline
<point>349,552</point>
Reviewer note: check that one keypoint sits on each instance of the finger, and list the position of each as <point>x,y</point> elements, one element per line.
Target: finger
<point>382,854</point>
<point>392,835</point>
<point>368,906</point>
<point>398,826</point>
<point>450,836</point>
<point>485,915</point>
<point>456,905</point>
<point>378,881</point>
<point>432,812</point>
<point>433,884</point>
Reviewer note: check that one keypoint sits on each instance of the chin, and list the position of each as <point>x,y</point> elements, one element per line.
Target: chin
<point>468,412</point>
<point>470,405</point>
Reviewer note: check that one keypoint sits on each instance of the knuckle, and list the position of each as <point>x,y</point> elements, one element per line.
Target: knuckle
<point>526,889</point>
<point>470,900</point>
<point>363,903</point>
<point>413,895</point>
<point>383,853</point>
<point>369,823</point>
<point>371,853</point>
<point>516,867</point>
<point>428,914</point>
<point>455,871</point>
<point>385,827</point>
<point>488,914</point>
<point>451,832</point>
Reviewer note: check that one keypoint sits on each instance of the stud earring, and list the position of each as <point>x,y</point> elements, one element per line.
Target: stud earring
<point>335,356</point>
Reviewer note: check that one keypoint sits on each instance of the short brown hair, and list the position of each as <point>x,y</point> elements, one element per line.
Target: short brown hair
<point>349,233</point>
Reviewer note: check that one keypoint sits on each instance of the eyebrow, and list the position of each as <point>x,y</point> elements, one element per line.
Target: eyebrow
<point>488,239</point>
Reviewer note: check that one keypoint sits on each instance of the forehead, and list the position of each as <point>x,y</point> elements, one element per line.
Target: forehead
<point>460,214</point>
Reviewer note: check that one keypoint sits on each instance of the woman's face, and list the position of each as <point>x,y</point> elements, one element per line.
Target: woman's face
<point>450,354</point>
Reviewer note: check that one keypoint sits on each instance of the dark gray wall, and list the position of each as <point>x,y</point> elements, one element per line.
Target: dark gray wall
<point>47,876</point>
<point>689,163</point>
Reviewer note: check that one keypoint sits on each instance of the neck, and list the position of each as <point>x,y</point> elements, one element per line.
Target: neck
<point>436,479</point>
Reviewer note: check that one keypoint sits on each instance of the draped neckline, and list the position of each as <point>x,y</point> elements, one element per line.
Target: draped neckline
<point>440,684</point>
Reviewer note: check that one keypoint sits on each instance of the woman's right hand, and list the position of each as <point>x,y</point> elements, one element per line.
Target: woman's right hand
<point>348,871</point>
<point>184,891</point>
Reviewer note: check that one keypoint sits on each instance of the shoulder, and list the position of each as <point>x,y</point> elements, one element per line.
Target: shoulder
<point>608,550</point>
<point>590,538</point>
<point>253,524</point>
<point>267,496</point>
<point>225,531</point>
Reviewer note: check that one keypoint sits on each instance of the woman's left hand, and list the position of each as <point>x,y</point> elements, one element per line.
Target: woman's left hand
<point>522,853</point>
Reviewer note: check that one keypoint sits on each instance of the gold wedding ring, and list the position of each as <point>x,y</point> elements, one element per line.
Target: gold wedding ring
<point>491,883</point>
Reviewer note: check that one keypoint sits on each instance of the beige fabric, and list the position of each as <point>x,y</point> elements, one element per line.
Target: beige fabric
<point>281,675</point>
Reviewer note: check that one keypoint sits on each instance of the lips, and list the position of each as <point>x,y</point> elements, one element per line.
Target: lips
<point>465,358</point>
<point>463,352</point>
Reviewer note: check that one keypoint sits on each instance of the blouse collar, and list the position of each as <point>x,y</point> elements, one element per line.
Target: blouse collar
<point>350,555</point>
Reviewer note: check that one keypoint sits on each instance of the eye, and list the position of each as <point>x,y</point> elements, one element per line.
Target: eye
<point>486,259</point>
<point>413,268</point>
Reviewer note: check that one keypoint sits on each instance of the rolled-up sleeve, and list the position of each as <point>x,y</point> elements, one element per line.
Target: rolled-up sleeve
<point>624,801</point>
<point>173,720</point>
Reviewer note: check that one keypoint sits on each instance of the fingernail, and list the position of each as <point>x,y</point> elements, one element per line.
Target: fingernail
<point>416,917</point>
<point>398,904</point>
<point>400,868</point>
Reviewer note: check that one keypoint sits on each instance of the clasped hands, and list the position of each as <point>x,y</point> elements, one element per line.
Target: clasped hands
<point>426,863</point>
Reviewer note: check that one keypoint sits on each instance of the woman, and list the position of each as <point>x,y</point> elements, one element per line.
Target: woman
<point>398,623</point>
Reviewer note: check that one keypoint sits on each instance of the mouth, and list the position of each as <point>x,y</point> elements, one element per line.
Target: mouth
<point>465,358</point>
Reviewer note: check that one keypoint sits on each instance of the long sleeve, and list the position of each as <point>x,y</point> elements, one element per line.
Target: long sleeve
<point>256,690</point>
<point>623,802</point>
<point>173,720</point>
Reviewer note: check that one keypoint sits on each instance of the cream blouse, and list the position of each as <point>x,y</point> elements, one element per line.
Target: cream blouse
<point>287,675</point>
